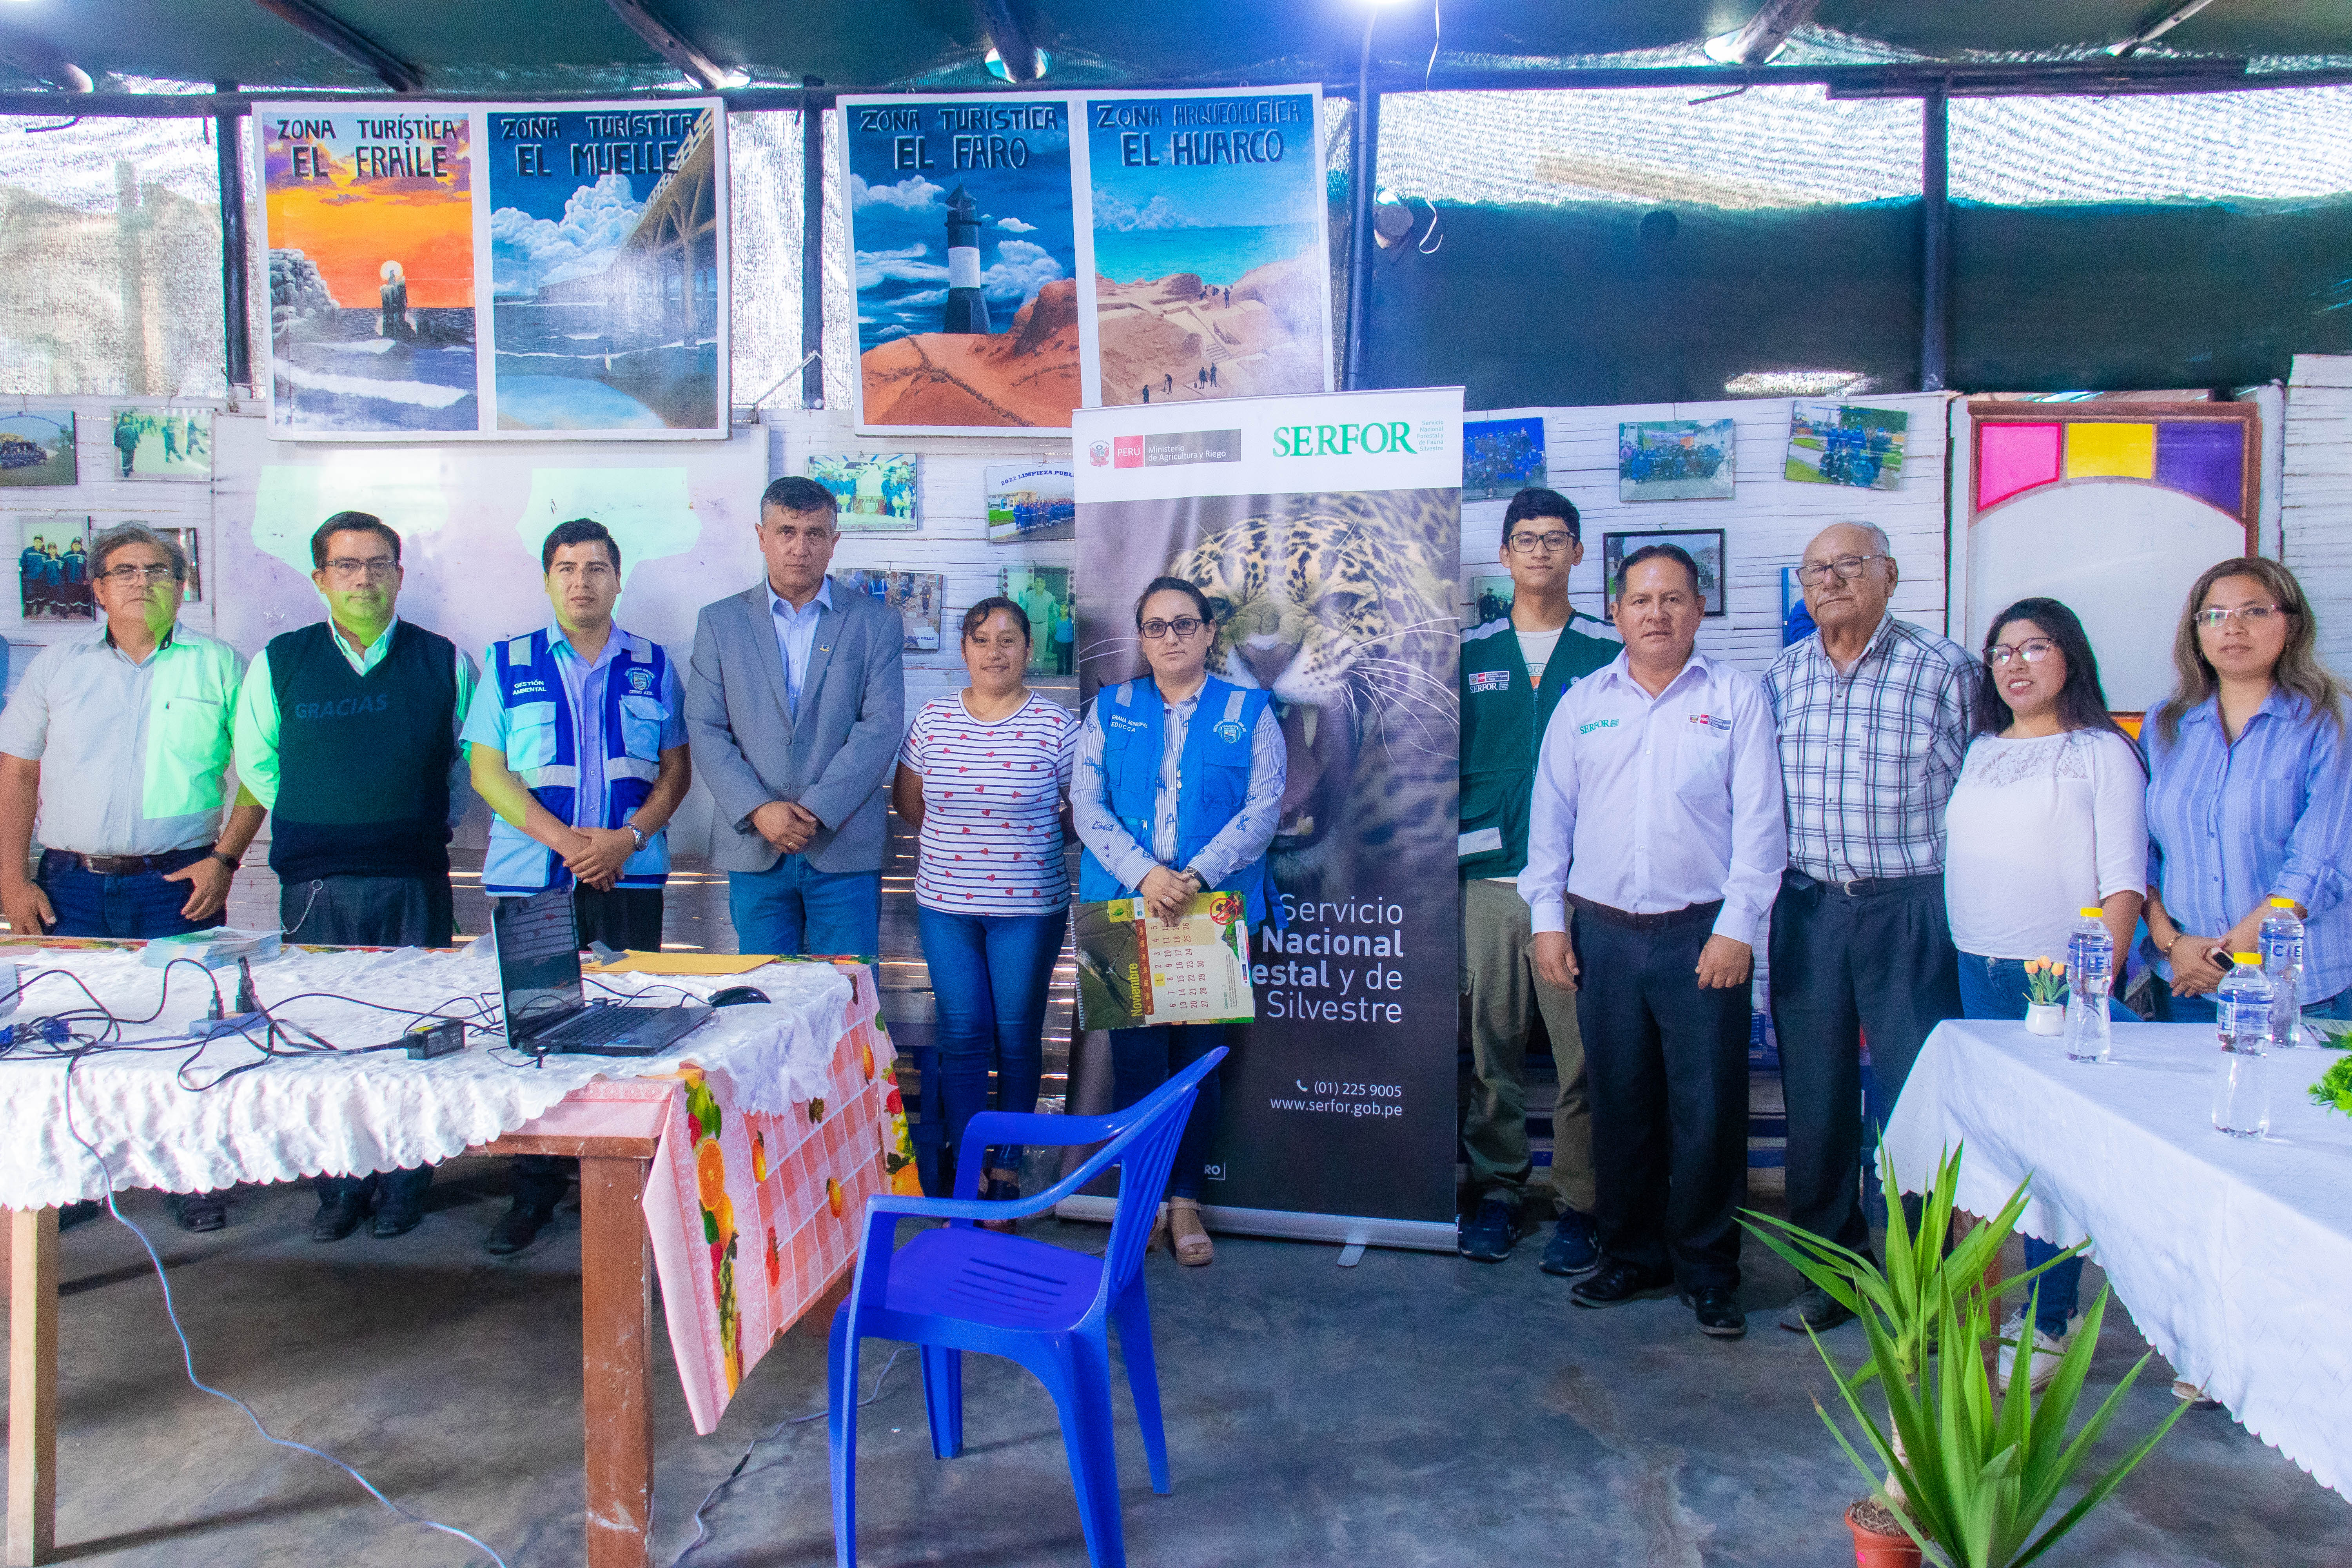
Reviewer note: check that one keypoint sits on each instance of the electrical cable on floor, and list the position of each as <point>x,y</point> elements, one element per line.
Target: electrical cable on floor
<point>701,1529</point>
<point>188,1354</point>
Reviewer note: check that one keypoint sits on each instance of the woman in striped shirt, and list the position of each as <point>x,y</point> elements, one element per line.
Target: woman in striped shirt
<point>984,776</point>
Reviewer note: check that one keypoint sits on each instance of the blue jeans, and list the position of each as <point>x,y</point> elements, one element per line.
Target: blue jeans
<point>1995,988</point>
<point>990,975</point>
<point>1143,1059</point>
<point>792,908</point>
<point>2171,1009</point>
<point>140,905</point>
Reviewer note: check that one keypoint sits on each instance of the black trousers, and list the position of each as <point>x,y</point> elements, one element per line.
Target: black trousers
<point>1877,964</point>
<point>1666,1068</point>
<point>621,918</point>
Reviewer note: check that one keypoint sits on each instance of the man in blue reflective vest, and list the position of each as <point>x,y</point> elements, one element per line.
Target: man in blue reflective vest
<point>577,742</point>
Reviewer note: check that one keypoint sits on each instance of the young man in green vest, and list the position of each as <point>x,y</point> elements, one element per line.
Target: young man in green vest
<point>1513,671</point>
<point>347,730</point>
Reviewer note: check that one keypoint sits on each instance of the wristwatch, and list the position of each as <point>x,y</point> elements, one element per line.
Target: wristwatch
<point>637,833</point>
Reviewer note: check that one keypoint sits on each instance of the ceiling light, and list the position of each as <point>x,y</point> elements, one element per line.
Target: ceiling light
<point>1043,62</point>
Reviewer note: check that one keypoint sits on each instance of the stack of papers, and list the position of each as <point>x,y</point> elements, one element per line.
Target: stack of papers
<point>219,948</point>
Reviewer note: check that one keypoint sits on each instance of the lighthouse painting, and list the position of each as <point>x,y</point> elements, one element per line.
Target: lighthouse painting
<point>966,264</point>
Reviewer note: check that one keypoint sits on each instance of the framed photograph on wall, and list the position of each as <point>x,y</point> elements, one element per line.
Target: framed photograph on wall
<point>36,446</point>
<point>189,540</point>
<point>1705,545</point>
<point>53,567</point>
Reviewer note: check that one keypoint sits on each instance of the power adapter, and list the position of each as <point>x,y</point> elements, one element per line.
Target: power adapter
<point>440,1039</point>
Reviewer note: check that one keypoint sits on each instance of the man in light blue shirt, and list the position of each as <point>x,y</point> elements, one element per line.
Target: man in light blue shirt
<point>1657,817</point>
<point>577,741</point>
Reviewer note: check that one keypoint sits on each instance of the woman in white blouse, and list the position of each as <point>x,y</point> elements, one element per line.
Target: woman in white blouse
<point>2049,817</point>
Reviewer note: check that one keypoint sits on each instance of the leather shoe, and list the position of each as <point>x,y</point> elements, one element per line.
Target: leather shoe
<point>516,1227</point>
<point>1719,1316</point>
<point>1617,1283</point>
<point>1814,1308</point>
<point>339,1216</point>
<point>198,1211</point>
<point>397,1219</point>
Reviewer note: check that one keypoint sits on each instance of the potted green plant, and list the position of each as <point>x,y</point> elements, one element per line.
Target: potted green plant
<point>1970,1475</point>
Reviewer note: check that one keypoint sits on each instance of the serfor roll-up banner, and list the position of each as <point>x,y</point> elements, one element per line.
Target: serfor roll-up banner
<point>1325,531</point>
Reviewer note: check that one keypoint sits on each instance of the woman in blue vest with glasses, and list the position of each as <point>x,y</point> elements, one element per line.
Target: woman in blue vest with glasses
<point>1177,792</point>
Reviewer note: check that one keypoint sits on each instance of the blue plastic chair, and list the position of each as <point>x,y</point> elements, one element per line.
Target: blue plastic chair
<point>960,1288</point>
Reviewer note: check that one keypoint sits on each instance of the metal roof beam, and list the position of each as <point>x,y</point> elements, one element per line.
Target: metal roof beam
<point>673,47</point>
<point>2156,26</point>
<point>1015,48</point>
<point>2104,78</point>
<point>339,38</point>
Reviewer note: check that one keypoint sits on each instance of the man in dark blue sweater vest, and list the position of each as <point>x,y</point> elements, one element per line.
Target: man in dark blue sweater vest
<point>347,730</point>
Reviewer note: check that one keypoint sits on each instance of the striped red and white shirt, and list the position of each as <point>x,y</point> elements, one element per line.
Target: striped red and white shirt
<point>991,839</point>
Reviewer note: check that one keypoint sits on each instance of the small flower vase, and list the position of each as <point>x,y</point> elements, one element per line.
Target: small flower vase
<point>2045,1018</point>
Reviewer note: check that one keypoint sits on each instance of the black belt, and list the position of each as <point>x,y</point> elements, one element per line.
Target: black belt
<point>128,864</point>
<point>1689,914</point>
<point>1867,887</point>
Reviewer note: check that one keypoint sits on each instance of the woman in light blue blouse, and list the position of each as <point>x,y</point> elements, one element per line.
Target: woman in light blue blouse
<point>2250,793</point>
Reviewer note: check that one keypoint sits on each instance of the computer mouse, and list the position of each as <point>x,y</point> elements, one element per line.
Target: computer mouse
<point>738,996</point>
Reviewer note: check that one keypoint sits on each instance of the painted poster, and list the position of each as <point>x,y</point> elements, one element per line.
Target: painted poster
<point>875,491</point>
<point>369,218</point>
<point>1211,272</point>
<point>913,596</point>
<point>53,567</point>
<point>164,443</point>
<point>1674,459</point>
<point>1839,444</point>
<point>1044,595</point>
<point>37,447</point>
<point>519,272</point>
<point>608,267</point>
<point>966,261</point>
<point>1500,458</point>
<point>1328,532</point>
<point>1027,502</point>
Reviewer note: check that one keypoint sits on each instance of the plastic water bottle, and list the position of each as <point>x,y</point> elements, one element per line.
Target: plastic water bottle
<point>2241,1098</point>
<point>2090,975</point>
<point>2283,964</point>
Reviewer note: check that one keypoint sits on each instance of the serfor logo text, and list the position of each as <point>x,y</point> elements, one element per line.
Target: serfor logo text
<point>1342,440</point>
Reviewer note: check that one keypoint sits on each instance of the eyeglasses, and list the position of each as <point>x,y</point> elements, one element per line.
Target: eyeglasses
<point>1813,574</point>
<point>2032,650</point>
<point>1555,544</point>
<point>2253,615</point>
<point>1182,626</point>
<point>379,567</point>
<point>127,575</point>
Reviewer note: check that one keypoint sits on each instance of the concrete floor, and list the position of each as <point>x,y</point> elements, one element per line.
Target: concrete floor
<point>1415,1410</point>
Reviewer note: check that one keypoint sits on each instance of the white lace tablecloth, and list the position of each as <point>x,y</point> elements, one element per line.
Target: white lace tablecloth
<point>2232,1255</point>
<point>346,1115</point>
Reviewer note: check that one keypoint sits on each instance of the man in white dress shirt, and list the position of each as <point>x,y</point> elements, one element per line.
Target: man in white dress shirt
<point>1657,819</point>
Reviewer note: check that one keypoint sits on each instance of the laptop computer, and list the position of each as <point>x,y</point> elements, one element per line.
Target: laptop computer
<point>537,941</point>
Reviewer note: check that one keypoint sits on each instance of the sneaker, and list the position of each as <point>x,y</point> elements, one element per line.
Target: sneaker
<point>2048,1350</point>
<point>1814,1308</point>
<point>1490,1235</point>
<point>1574,1250</point>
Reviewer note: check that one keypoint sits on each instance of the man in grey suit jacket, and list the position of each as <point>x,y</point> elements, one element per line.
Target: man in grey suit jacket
<point>794,708</point>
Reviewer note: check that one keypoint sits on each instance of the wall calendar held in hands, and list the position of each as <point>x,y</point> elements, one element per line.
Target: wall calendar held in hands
<point>1135,969</point>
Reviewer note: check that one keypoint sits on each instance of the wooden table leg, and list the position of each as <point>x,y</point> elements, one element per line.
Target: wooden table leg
<point>32,1385</point>
<point>616,1357</point>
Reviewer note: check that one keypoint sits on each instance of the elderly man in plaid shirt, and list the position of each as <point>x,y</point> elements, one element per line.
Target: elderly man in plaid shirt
<point>1875,717</point>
